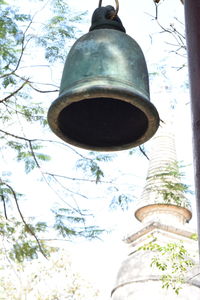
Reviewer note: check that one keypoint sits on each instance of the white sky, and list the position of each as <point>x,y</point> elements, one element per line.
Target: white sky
<point>104,260</point>
<point>101,260</point>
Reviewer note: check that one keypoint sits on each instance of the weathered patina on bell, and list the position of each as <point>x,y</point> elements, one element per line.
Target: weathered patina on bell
<point>104,103</point>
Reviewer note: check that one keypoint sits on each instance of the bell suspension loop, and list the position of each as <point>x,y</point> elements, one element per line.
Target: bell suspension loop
<point>106,17</point>
<point>112,16</point>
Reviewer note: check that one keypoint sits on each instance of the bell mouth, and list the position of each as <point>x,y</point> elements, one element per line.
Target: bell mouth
<point>102,123</point>
<point>103,117</point>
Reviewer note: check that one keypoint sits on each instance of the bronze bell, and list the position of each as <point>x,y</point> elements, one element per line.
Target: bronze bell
<point>104,103</point>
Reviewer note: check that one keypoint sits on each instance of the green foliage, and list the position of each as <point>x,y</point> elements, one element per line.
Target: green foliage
<point>92,165</point>
<point>170,187</point>
<point>27,153</point>
<point>173,260</point>
<point>121,201</point>
<point>70,223</point>
<point>58,29</point>
<point>6,195</point>
<point>194,236</point>
<point>9,80</point>
<point>25,250</point>
<point>19,243</point>
<point>11,38</point>
<point>32,113</point>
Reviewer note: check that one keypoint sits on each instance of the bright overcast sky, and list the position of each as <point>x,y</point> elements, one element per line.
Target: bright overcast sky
<point>137,19</point>
<point>103,260</point>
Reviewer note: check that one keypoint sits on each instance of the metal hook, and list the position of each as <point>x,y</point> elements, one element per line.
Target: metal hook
<point>116,10</point>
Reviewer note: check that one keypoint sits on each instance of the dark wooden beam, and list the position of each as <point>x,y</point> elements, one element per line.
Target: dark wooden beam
<point>192,23</point>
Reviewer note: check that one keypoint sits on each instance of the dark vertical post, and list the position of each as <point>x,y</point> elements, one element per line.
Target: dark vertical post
<point>192,22</point>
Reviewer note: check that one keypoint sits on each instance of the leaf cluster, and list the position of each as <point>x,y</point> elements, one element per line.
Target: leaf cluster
<point>170,187</point>
<point>11,36</point>
<point>92,166</point>
<point>17,240</point>
<point>70,223</point>
<point>28,154</point>
<point>58,29</point>
<point>121,201</point>
<point>173,260</point>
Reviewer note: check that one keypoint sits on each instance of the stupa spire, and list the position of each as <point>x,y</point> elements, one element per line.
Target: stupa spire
<point>163,198</point>
<point>163,210</point>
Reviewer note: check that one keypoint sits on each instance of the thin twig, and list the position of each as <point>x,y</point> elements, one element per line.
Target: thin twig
<point>33,155</point>
<point>64,187</point>
<point>15,136</point>
<point>178,36</point>
<point>15,92</point>
<point>23,220</point>
<point>23,47</point>
<point>74,179</point>
<point>143,152</point>
<point>4,206</point>
<point>47,141</point>
<point>19,112</point>
<point>42,91</point>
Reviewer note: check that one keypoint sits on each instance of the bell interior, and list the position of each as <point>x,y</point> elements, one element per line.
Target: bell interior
<point>102,122</point>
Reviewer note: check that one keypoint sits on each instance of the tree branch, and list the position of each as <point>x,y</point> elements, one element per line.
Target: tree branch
<point>4,207</point>
<point>42,91</point>
<point>143,152</point>
<point>16,136</point>
<point>74,179</point>
<point>23,47</point>
<point>73,192</point>
<point>33,154</point>
<point>178,36</point>
<point>15,92</point>
<point>46,141</point>
<point>23,220</point>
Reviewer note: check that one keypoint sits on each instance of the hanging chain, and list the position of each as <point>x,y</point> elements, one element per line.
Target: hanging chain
<point>116,10</point>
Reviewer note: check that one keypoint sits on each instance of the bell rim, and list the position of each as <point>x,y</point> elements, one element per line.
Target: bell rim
<point>124,92</point>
